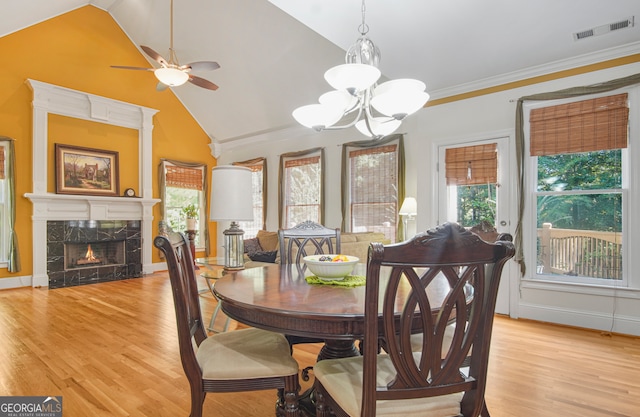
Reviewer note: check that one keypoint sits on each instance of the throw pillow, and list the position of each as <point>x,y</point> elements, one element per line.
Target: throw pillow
<point>252,245</point>
<point>263,256</point>
<point>268,240</point>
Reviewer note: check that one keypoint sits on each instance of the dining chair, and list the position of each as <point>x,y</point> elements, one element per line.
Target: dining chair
<point>241,360</point>
<point>307,238</point>
<point>424,382</point>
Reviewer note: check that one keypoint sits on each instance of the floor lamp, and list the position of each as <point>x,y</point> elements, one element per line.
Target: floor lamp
<point>408,211</point>
<point>232,200</point>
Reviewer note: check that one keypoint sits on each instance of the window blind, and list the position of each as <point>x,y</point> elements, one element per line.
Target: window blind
<point>471,165</point>
<point>582,126</point>
<point>183,177</point>
<point>290,163</point>
<point>373,184</point>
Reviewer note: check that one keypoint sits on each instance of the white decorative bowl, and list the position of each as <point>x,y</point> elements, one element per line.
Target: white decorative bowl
<point>329,270</point>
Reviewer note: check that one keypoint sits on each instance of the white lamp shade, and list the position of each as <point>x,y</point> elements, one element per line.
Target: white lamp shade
<point>339,99</point>
<point>381,126</point>
<point>172,77</point>
<point>231,195</point>
<point>409,207</point>
<point>357,77</point>
<point>317,116</point>
<point>399,98</point>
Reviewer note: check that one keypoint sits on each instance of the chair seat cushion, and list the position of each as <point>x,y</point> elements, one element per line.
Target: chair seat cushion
<point>246,353</point>
<point>342,379</point>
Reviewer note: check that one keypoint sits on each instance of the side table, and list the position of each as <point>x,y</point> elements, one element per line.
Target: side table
<point>213,271</point>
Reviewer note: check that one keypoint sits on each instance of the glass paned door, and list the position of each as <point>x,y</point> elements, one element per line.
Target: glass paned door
<point>473,190</point>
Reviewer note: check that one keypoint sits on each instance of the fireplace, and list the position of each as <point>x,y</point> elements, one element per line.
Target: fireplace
<point>90,254</point>
<point>83,252</point>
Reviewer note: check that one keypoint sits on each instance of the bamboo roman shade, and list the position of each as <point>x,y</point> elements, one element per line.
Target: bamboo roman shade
<point>471,165</point>
<point>299,162</point>
<point>582,126</point>
<point>184,177</point>
<point>366,186</point>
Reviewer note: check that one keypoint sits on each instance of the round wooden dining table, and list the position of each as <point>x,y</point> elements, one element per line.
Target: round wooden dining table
<point>278,298</point>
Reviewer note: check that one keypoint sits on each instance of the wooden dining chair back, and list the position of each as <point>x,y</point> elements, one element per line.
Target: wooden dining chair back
<point>423,382</point>
<point>241,360</point>
<point>307,238</point>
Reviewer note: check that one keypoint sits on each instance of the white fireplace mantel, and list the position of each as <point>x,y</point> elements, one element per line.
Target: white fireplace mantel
<point>52,99</point>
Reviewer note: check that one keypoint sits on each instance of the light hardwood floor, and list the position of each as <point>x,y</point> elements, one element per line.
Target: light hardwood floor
<point>110,349</point>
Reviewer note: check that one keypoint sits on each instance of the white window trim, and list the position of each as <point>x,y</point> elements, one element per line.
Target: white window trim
<point>202,215</point>
<point>6,217</point>
<point>631,204</point>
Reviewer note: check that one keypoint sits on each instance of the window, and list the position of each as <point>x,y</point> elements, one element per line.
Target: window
<point>5,204</point>
<point>184,184</point>
<point>579,163</point>
<point>471,174</point>
<point>258,169</point>
<point>301,187</point>
<point>373,189</point>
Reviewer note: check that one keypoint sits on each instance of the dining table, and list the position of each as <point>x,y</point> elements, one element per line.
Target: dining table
<point>278,298</point>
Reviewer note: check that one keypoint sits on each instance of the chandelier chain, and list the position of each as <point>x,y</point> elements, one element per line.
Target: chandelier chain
<point>363,28</point>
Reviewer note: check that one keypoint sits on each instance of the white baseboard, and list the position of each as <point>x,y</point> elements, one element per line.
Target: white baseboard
<point>15,282</point>
<point>155,267</point>
<point>586,319</point>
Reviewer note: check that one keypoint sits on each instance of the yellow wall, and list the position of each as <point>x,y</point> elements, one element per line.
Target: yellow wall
<point>75,50</point>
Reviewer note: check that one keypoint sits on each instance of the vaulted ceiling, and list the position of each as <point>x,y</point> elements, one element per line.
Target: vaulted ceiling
<point>273,54</point>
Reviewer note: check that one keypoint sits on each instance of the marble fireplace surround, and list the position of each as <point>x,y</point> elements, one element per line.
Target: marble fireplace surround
<point>52,99</point>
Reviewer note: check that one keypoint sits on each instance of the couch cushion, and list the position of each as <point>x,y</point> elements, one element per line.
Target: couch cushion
<point>263,256</point>
<point>268,240</point>
<point>347,238</point>
<point>252,245</point>
<point>370,237</point>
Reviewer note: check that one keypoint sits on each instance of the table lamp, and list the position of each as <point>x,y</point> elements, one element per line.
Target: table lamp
<point>408,210</point>
<point>232,200</point>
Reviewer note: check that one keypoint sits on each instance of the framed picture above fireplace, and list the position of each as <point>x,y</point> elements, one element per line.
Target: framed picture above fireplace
<point>86,171</point>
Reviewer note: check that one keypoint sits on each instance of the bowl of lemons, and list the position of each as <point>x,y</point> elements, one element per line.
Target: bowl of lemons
<point>331,266</point>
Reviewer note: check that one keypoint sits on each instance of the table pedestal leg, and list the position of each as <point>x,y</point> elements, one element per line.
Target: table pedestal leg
<point>335,349</point>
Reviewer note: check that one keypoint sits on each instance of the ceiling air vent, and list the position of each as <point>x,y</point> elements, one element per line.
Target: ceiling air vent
<point>601,30</point>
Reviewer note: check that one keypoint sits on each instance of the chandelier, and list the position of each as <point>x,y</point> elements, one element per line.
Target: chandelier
<point>376,110</point>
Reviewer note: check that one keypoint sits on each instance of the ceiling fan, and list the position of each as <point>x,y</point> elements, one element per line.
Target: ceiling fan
<point>171,73</point>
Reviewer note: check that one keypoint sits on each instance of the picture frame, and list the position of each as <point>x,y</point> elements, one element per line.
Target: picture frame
<point>86,171</point>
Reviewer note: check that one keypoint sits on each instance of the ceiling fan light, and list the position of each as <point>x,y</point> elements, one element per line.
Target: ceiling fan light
<point>172,77</point>
<point>380,126</point>
<point>399,98</point>
<point>352,77</point>
<point>317,116</point>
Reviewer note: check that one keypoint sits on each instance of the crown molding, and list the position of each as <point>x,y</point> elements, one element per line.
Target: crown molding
<point>540,70</point>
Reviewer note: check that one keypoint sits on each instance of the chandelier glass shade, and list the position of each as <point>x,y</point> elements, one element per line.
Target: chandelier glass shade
<point>172,77</point>
<point>376,110</point>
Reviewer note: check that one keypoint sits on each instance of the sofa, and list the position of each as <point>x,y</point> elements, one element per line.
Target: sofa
<point>263,249</point>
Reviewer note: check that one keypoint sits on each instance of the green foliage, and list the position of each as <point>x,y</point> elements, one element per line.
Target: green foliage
<point>190,211</point>
<point>567,173</point>
<point>476,203</point>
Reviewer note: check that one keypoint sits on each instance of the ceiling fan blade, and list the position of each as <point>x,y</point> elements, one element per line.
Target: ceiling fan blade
<point>153,54</point>
<point>201,82</point>
<point>131,68</point>
<point>201,66</point>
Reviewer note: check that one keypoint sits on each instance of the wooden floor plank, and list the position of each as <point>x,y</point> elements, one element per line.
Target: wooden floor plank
<point>111,349</point>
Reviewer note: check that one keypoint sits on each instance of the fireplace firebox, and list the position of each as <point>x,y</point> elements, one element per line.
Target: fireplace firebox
<point>90,251</point>
<point>90,254</point>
